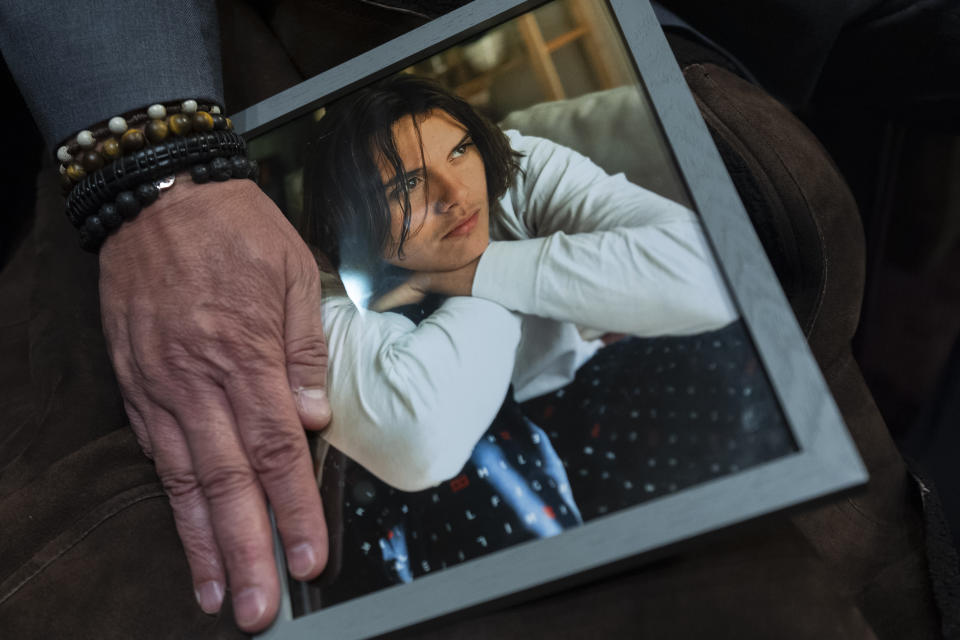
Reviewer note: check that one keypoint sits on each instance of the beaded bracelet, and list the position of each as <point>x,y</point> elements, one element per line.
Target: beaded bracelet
<point>128,204</point>
<point>120,135</point>
<point>147,165</point>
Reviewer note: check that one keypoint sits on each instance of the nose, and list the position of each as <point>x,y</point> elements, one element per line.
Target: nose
<point>452,191</point>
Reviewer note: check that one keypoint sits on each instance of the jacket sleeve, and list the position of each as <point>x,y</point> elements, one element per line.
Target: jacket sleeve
<point>79,63</point>
<point>599,251</point>
<point>409,402</point>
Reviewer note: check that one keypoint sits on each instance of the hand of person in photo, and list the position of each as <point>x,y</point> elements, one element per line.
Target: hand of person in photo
<point>209,302</point>
<point>457,282</point>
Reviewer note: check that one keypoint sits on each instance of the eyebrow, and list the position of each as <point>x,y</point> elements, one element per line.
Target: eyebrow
<point>418,171</point>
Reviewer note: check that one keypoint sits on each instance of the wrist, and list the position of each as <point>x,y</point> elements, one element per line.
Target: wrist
<point>176,214</point>
<point>110,173</point>
<point>458,282</point>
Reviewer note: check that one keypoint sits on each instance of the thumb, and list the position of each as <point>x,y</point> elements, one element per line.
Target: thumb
<point>305,347</point>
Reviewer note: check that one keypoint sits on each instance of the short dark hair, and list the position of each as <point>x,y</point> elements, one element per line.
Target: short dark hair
<point>347,215</point>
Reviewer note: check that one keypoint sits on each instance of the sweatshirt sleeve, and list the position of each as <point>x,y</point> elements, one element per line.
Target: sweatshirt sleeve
<point>78,63</point>
<point>409,402</point>
<point>599,251</point>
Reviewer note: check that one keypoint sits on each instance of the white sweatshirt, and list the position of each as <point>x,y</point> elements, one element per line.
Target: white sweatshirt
<point>574,253</point>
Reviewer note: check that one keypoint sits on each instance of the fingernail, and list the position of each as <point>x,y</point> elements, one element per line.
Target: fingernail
<point>301,560</point>
<point>249,605</point>
<point>210,596</point>
<point>314,403</point>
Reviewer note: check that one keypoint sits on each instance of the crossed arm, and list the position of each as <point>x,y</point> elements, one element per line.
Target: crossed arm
<point>410,403</point>
<point>579,245</point>
<point>575,244</point>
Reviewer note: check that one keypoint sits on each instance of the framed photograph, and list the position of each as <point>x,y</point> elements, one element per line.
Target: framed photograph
<point>556,345</point>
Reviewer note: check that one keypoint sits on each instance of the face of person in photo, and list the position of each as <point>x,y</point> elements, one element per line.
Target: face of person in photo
<point>447,186</point>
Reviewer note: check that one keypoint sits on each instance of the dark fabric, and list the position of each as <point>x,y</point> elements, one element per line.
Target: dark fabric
<point>514,488</point>
<point>935,440</point>
<point>808,224</point>
<point>902,58</point>
<point>425,8</point>
<point>644,418</point>
<point>256,65</point>
<point>881,54</point>
<point>941,552</point>
<point>687,49</point>
<point>17,170</point>
<point>270,46</point>
<point>90,551</point>
<point>873,540</point>
<point>761,582</point>
<point>68,384</point>
<point>89,548</point>
<point>758,33</point>
<point>792,193</point>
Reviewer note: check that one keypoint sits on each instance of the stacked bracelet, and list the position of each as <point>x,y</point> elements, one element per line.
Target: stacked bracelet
<point>147,165</point>
<point>114,170</point>
<point>128,204</point>
<point>91,149</point>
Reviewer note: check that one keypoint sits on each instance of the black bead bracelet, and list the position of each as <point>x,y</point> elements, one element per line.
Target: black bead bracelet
<point>148,165</point>
<point>95,228</point>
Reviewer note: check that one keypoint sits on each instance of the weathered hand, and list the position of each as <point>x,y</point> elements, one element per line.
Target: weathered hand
<point>457,282</point>
<point>210,304</point>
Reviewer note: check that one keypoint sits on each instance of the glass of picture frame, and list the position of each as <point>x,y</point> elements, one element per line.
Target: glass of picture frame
<point>645,441</point>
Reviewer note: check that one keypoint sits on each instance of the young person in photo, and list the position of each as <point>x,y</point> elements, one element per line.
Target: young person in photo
<point>539,253</point>
<point>471,270</point>
<point>508,262</point>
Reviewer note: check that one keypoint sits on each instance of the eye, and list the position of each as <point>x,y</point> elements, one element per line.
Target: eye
<point>408,185</point>
<point>461,148</point>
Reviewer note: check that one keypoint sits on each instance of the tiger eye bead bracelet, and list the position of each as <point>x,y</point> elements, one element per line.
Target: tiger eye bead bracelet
<point>91,149</point>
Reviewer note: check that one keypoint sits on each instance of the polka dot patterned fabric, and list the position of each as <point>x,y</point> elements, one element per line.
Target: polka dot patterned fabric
<point>644,418</point>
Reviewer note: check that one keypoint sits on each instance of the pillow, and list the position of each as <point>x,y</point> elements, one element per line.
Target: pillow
<point>614,128</point>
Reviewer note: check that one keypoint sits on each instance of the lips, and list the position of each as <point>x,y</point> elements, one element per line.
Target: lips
<point>464,227</point>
